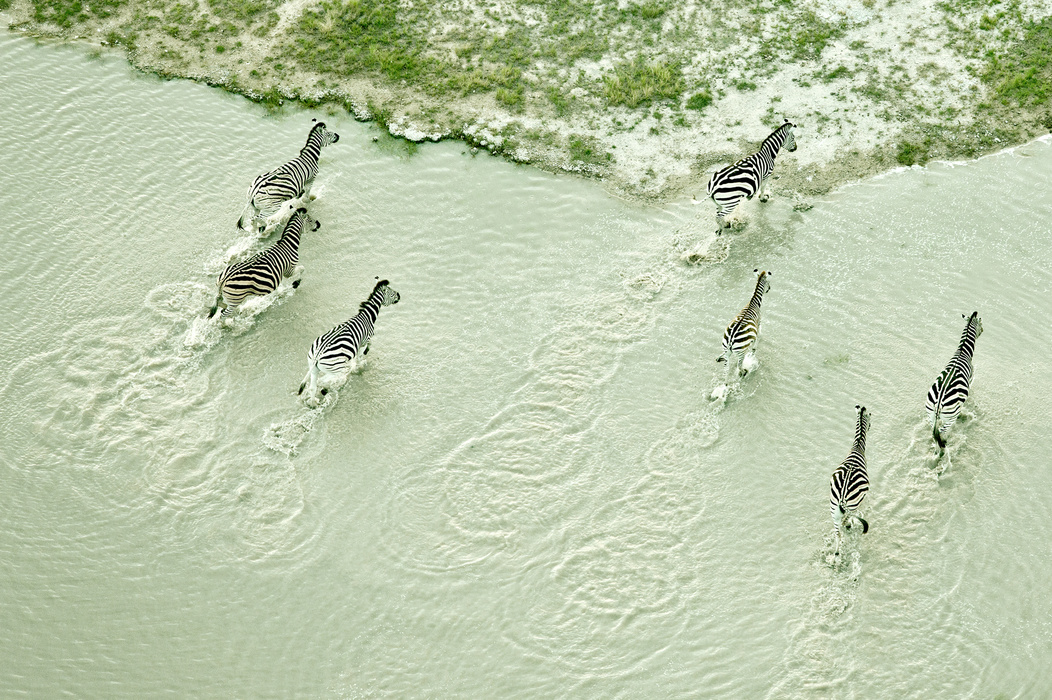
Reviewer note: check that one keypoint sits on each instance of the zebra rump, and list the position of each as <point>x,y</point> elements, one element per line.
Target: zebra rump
<point>947,395</point>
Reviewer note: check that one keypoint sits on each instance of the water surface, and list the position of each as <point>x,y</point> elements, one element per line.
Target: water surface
<point>526,493</point>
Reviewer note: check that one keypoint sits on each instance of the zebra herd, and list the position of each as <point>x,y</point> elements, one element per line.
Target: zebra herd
<point>271,197</point>
<point>850,482</point>
<point>287,189</point>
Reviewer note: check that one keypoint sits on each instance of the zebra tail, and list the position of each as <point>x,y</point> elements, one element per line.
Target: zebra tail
<point>312,377</point>
<point>215,306</point>
<point>939,440</point>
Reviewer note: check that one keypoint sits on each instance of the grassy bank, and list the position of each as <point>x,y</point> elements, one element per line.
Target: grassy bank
<point>649,95</point>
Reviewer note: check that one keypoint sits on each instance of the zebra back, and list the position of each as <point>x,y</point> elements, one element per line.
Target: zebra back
<point>950,390</point>
<point>850,482</point>
<point>744,329</point>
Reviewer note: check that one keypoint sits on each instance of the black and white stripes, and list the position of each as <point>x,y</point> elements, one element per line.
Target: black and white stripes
<point>293,180</point>
<point>345,346</point>
<point>261,274</point>
<point>743,334</point>
<point>949,392</point>
<point>850,482</point>
<point>749,175</point>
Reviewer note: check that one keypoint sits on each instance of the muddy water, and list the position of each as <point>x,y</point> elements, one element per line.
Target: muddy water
<point>526,492</point>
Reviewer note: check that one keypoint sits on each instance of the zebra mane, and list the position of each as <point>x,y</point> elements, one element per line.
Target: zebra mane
<point>779,132</point>
<point>862,427</point>
<point>372,294</point>
<point>315,132</point>
<point>972,328</point>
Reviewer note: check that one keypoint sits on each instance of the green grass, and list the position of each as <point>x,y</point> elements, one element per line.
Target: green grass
<point>639,83</point>
<point>585,149</point>
<point>241,10</point>
<point>1022,75</point>
<point>352,37</point>
<point>700,100</point>
<point>66,13</point>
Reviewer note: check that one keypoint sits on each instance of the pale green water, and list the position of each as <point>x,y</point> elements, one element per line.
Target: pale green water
<point>526,493</point>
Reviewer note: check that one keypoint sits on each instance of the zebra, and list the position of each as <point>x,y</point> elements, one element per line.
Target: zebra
<point>741,337</point>
<point>849,483</point>
<point>292,180</point>
<point>346,345</point>
<point>260,274</point>
<point>749,175</point>
<point>949,392</point>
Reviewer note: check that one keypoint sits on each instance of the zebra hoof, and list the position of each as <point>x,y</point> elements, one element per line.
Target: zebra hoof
<point>324,392</point>
<point>296,284</point>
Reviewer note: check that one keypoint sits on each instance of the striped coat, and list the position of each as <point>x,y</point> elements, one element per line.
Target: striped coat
<point>293,180</point>
<point>261,274</point>
<point>743,334</point>
<point>850,482</point>
<point>346,345</point>
<point>749,175</point>
<point>947,395</point>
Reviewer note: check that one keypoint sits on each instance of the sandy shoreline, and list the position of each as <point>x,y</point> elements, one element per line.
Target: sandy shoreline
<point>873,85</point>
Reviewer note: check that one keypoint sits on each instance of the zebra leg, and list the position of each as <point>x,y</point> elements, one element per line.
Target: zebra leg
<point>722,212</point>
<point>764,193</point>
<point>937,434</point>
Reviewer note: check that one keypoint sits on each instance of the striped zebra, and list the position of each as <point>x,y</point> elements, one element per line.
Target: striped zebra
<point>949,392</point>
<point>741,337</point>
<point>346,345</point>
<point>850,482</point>
<point>292,180</point>
<point>260,274</point>
<point>749,175</point>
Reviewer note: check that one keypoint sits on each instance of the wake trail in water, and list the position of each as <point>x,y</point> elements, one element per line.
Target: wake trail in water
<point>509,480</point>
<point>123,399</point>
<point>911,508</point>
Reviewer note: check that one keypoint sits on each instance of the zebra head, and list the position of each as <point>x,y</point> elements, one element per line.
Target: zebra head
<point>763,284</point>
<point>790,139</point>
<point>976,321</point>
<point>387,295</point>
<point>323,134</point>
<point>863,420</point>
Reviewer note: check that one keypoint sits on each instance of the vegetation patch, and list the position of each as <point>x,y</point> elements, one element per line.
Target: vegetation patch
<point>700,100</point>
<point>65,13</point>
<point>585,149</point>
<point>640,83</point>
<point>1022,75</point>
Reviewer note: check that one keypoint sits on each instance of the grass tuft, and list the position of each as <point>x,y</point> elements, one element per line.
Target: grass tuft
<point>639,83</point>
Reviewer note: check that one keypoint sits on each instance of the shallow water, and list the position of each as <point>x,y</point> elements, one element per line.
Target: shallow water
<point>527,492</point>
